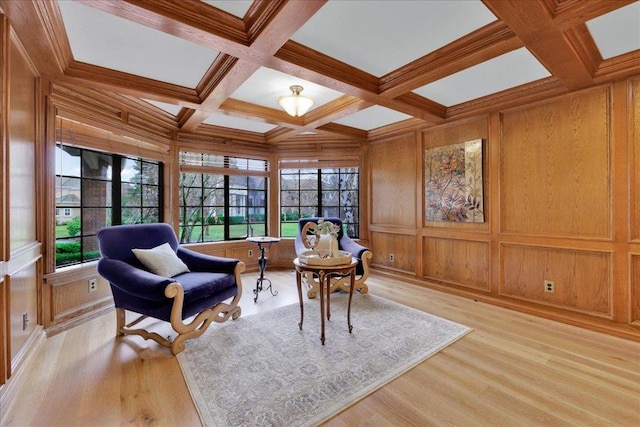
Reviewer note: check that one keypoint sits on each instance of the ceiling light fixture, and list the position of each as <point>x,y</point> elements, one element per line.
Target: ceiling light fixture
<point>295,104</point>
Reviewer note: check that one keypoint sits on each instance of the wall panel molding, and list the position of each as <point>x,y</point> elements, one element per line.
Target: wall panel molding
<point>401,246</point>
<point>393,182</point>
<point>634,294</point>
<point>634,158</point>
<point>457,262</point>
<point>23,257</point>
<point>555,167</point>
<point>583,280</point>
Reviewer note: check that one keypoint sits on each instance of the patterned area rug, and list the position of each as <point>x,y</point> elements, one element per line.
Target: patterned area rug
<point>262,370</point>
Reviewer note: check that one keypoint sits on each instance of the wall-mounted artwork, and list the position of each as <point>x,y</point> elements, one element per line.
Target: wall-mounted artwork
<point>453,183</point>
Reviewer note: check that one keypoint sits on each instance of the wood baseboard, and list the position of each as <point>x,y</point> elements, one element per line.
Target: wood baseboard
<point>626,331</point>
<point>79,319</point>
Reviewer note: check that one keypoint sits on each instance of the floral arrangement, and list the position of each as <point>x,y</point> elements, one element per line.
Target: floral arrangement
<point>327,227</point>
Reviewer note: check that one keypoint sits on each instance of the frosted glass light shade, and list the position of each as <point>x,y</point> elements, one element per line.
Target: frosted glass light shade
<point>295,104</point>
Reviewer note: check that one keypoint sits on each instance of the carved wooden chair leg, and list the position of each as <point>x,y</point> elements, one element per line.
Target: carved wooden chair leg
<point>343,283</point>
<point>120,321</point>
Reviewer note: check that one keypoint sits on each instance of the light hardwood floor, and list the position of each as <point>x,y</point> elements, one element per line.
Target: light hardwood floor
<point>512,370</point>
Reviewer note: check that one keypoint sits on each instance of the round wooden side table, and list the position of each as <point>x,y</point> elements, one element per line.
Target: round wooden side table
<point>324,273</point>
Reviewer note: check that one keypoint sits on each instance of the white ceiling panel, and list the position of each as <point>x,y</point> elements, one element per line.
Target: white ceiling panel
<point>617,32</point>
<point>169,108</point>
<point>381,36</point>
<point>372,118</point>
<point>224,120</point>
<point>235,7</point>
<point>105,40</point>
<point>503,72</point>
<point>265,86</point>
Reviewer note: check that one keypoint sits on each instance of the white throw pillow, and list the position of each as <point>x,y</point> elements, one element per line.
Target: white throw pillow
<point>161,260</point>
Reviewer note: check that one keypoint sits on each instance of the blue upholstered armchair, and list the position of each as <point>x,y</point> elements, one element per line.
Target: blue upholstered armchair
<point>152,275</point>
<point>345,243</point>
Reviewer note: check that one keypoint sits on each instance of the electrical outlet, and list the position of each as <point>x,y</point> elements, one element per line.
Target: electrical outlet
<point>93,285</point>
<point>549,286</point>
<point>392,257</point>
<point>250,253</point>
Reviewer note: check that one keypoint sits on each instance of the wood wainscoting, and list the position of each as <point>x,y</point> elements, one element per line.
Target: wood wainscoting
<point>560,202</point>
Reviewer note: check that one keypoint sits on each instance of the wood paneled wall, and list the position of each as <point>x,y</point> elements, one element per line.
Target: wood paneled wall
<point>634,199</point>
<point>555,168</point>
<point>582,278</point>
<point>558,207</point>
<point>458,262</point>
<point>560,197</point>
<point>393,182</point>
<point>20,264</point>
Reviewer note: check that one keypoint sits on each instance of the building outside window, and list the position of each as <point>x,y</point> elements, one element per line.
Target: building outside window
<point>222,197</point>
<point>327,192</point>
<point>96,189</point>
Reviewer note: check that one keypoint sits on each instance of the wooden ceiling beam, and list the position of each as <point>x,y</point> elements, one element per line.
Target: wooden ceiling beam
<point>196,22</point>
<point>485,43</point>
<point>619,67</point>
<point>274,37</point>
<point>329,67</point>
<point>40,28</point>
<point>270,34</point>
<point>569,13</point>
<point>92,75</point>
<point>524,94</point>
<point>279,134</point>
<point>330,130</point>
<point>321,69</point>
<point>533,23</point>
<point>222,86</point>
<point>242,109</point>
<point>334,110</point>
<point>309,64</point>
<point>325,115</point>
<point>345,130</point>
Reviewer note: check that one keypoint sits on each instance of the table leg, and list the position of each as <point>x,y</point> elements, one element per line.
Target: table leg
<point>352,281</point>
<point>299,283</point>
<point>262,265</point>
<point>328,279</point>
<point>321,281</point>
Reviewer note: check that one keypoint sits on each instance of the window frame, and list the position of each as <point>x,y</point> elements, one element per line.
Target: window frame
<point>112,208</point>
<point>351,228</point>
<point>228,168</point>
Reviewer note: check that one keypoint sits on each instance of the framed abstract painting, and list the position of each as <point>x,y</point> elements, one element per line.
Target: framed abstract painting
<point>453,183</point>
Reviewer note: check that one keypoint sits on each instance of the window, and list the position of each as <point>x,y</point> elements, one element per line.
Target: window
<point>222,197</point>
<point>329,192</point>
<point>96,189</point>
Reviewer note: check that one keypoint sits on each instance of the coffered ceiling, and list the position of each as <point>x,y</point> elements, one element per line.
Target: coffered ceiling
<point>370,66</point>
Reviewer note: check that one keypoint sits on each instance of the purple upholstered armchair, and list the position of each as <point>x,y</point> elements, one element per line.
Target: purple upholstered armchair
<point>345,243</point>
<point>129,256</point>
